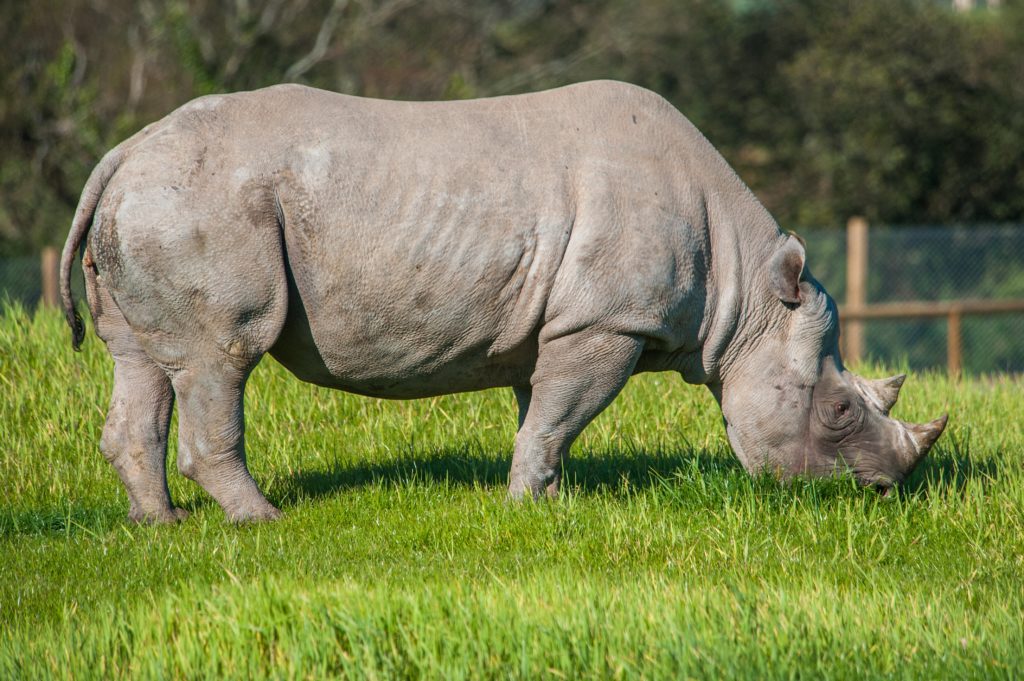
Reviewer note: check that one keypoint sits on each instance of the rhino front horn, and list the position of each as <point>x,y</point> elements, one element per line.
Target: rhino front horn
<point>925,434</point>
<point>887,390</point>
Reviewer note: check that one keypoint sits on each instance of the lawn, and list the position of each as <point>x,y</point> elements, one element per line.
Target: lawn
<point>399,556</point>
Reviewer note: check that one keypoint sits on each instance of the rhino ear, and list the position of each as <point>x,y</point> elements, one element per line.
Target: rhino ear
<point>785,269</point>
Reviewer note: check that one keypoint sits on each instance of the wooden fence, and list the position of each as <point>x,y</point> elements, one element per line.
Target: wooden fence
<point>857,309</point>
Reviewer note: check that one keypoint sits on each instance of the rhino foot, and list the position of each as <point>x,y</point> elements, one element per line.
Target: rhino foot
<point>164,517</point>
<point>519,489</point>
<point>259,512</point>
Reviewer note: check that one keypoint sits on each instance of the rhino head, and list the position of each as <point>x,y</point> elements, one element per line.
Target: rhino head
<point>792,408</point>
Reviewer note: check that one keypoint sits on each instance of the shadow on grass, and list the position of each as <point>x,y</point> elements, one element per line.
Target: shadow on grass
<point>461,466</point>
<point>594,472</point>
<point>944,475</point>
<point>693,473</point>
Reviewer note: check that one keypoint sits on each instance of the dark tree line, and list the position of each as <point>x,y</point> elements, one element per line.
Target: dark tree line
<point>902,110</point>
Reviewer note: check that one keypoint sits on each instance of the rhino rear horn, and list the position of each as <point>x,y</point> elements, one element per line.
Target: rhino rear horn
<point>886,391</point>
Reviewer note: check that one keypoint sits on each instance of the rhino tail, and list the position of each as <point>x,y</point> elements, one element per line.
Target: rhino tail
<point>91,195</point>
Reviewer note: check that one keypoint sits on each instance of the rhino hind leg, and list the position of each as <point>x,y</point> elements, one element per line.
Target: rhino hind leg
<point>134,437</point>
<point>211,439</point>
<point>576,377</point>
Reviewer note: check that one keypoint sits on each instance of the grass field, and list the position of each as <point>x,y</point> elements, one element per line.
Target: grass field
<point>399,557</point>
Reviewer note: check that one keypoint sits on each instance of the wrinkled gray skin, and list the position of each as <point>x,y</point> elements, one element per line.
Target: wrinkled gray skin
<point>555,242</point>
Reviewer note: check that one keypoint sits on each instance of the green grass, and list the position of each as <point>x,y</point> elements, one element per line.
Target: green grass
<point>399,557</point>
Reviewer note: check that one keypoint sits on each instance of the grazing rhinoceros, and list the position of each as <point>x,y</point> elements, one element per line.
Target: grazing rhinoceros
<point>555,242</point>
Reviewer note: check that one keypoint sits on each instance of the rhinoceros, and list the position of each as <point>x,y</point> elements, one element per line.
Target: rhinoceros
<point>556,243</point>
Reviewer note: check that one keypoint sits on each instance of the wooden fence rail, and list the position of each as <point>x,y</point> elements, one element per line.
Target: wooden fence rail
<point>952,310</point>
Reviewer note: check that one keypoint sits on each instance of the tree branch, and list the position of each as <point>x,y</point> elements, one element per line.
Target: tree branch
<point>323,40</point>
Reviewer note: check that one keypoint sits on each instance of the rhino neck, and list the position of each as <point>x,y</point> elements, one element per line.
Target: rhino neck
<point>740,310</point>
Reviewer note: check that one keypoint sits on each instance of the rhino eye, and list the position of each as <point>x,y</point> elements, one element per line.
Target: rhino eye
<point>841,408</point>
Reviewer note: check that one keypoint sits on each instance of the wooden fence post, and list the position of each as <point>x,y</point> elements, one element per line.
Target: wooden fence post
<point>50,276</point>
<point>954,343</point>
<point>856,285</point>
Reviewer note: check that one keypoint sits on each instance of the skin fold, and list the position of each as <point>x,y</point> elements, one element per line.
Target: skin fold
<point>556,242</point>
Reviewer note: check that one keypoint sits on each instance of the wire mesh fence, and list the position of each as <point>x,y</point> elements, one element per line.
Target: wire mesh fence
<point>925,263</point>
<point>21,281</point>
<point>934,263</point>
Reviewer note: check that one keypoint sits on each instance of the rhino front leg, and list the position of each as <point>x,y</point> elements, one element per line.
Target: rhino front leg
<point>576,377</point>
<point>211,439</point>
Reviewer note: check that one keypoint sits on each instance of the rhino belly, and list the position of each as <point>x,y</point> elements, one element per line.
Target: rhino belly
<point>387,353</point>
<point>401,312</point>
<point>393,368</point>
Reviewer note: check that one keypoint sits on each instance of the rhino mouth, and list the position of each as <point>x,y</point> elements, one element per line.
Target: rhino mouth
<point>882,483</point>
<point>885,490</point>
<point>885,483</point>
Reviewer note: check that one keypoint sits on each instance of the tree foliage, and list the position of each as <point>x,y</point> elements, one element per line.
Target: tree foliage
<point>903,110</point>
